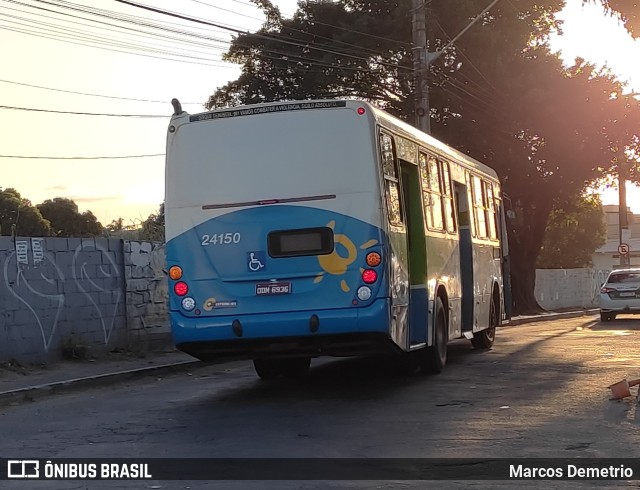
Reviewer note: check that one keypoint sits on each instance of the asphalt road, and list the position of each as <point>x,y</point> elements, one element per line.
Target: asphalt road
<point>541,392</point>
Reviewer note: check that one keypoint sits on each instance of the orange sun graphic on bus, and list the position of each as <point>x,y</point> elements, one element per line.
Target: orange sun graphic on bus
<point>336,264</point>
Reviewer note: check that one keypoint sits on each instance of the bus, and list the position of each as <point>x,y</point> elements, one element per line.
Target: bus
<point>328,228</point>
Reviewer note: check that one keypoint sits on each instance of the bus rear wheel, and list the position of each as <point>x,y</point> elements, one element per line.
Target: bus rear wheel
<point>486,338</point>
<point>272,368</point>
<point>292,368</point>
<point>435,357</point>
<point>267,368</point>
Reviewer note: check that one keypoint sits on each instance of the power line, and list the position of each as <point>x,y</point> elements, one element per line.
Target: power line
<point>93,95</point>
<point>362,49</point>
<point>83,158</point>
<point>227,10</point>
<point>217,65</point>
<point>284,57</point>
<point>119,28</point>
<point>77,113</point>
<point>80,35</point>
<point>261,36</point>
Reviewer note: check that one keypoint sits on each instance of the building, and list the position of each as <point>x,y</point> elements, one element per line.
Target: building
<point>607,257</point>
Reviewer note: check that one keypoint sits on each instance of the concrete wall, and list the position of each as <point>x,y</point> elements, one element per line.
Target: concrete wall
<point>567,288</point>
<point>147,294</point>
<point>79,295</point>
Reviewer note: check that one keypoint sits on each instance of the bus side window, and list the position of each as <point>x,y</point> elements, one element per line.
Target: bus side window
<point>447,197</point>
<point>391,182</point>
<point>432,193</point>
<point>472,220</point>
<point>479,214</point>
<point>491,211</point>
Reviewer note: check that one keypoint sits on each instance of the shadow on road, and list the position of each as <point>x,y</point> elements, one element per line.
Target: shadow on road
<point>622,322</point>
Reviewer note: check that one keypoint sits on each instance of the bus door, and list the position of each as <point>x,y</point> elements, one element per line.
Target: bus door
<point>416,244</point>
<point>399,261</point>
<point>504,212</point>
<point>466,254</point>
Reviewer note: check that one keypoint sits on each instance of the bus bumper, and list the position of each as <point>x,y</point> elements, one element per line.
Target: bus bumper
<point>339,332</point>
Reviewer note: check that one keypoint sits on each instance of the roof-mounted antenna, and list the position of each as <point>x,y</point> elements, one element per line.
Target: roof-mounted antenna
<point>177,107</point>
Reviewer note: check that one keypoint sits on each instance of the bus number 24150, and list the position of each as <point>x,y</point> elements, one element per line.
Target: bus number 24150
<point>221,239</point>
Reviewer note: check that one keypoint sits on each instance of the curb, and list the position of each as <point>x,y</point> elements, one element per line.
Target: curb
<point>552,316</point>
<point>31,393</point>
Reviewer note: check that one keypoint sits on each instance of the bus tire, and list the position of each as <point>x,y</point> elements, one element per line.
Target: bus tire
<point>435,357</point>
<point>486,338</point>
<point>268,368</point>
<point>296,366</point>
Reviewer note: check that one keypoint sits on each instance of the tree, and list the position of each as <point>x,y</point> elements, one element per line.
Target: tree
<point>116,225</point>
<point>153,227</point>
<point>67,221</point>
<point>19,217</point>
<point>498,94</point>
<point>626,10</point>
<point>574,231</point>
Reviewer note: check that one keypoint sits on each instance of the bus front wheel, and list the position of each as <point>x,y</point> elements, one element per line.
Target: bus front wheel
<point>436,356</point>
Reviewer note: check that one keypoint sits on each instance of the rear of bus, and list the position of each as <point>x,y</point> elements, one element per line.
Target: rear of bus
<point>273,228</point>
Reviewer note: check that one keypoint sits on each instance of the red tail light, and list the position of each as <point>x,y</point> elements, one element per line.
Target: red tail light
<point>181,288</point>
<point>369,276</point>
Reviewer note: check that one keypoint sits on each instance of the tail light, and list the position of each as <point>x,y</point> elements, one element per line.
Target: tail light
<point>175,272</point>
<point>181,288</point>
<point>369,276</point>
<point>373,259</point>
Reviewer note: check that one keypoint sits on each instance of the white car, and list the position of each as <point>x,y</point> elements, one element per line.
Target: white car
<point>620,294</point>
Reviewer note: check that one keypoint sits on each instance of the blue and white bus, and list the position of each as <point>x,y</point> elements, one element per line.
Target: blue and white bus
<point>301,229</point>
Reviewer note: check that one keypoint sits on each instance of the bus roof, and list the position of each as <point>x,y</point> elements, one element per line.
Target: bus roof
<point>381,117</point>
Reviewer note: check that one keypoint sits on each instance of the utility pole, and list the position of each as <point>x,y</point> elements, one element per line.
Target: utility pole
<point>623,222</point>
<point>421,66</point>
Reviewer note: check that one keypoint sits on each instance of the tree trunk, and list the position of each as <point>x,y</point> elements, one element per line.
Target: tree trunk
<point>525,241</point>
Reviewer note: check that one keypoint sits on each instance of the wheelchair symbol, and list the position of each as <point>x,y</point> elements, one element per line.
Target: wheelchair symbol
<point>254,263</point>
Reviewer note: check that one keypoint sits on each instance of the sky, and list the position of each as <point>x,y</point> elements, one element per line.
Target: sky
<point>133,188</point>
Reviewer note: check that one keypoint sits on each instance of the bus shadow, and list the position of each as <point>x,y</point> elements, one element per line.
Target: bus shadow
<point>354,378</point>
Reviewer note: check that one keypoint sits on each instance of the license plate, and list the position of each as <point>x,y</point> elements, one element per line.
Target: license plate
<point>273,288</point>
<point>628,293</point>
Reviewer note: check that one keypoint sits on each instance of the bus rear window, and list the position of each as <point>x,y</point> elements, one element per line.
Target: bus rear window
<point>295,243</point>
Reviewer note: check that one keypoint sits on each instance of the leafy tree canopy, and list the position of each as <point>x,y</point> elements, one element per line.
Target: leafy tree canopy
<point>19,217</point>
<point>574,231</point>
<point>153,227</point>
<point>67,221</point>
<point>498,94</point>
<point>628,11</point>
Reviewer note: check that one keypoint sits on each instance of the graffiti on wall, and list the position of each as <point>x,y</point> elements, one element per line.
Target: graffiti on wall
<point>35,299</point>
<point>108,270</point>
<point>91,289</point>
